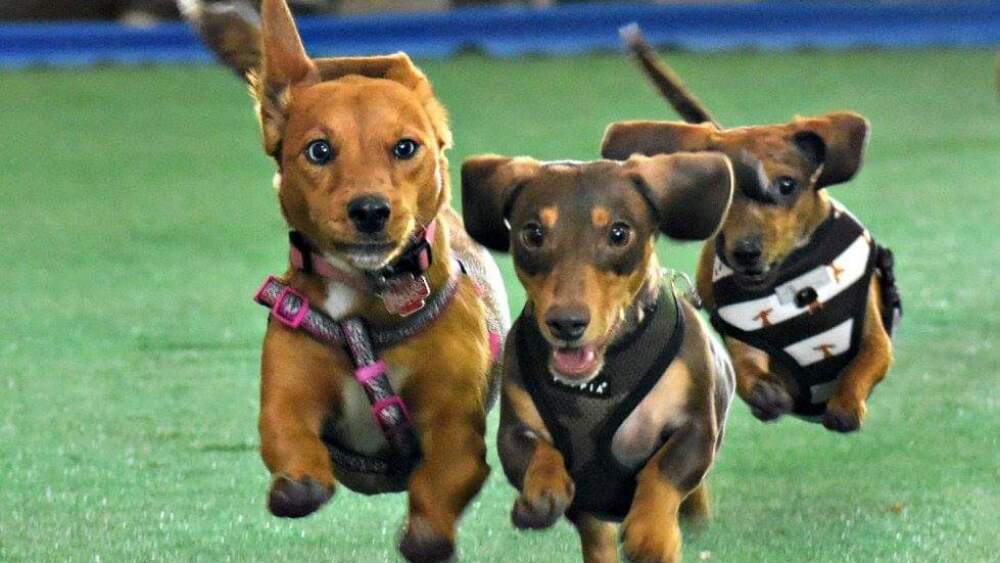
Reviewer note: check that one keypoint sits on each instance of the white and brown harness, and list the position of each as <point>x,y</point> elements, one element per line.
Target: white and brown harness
<point>810,318</point>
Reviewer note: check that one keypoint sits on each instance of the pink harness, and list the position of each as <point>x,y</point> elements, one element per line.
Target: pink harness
<point>401,287</point>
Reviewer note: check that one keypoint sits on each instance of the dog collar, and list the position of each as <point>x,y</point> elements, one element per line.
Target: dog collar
<point>401,284</point>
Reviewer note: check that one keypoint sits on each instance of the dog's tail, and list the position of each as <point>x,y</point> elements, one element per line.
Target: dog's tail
<point>665,80</point>
<point>230,28</point>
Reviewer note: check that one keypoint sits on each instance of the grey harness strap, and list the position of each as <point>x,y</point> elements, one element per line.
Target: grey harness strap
<point>286,306</point>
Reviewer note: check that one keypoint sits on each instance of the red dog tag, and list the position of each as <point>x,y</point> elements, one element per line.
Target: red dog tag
<point>406,295</point>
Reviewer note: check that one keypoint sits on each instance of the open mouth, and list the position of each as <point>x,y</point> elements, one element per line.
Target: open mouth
<point>368,255</point>
<point>755,278</point>
<point>575,364</point>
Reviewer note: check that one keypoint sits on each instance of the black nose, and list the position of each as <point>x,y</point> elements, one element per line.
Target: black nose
<point>747,253</point>
<point>567,323</point>
<point>369,214</point>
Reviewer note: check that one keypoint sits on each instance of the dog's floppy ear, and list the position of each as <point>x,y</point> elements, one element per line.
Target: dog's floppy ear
<point>690,193</point>
<point>396,67</point>
<point>489,185</point>
<point>839,139</point>
<point>284,63</point>
<point>655,137</point>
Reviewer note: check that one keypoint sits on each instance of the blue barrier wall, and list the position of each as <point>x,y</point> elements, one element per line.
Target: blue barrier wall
<point>561,30</point>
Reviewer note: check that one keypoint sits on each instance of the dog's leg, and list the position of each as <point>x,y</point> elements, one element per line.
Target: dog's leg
<point>846,410</point>
<point>650,531</point>
<point>295,399</point>
<point>703,275</point>
<point>597,538</point>
<point>533,465</point>
<point>763,392</point>
<point>697,507</point>
<point>451,423</point>
<point>547,490</point>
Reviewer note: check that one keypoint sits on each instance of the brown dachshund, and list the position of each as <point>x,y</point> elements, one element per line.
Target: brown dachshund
<point>386,327</point>
<point>804,297</point>
<point>614,397</point>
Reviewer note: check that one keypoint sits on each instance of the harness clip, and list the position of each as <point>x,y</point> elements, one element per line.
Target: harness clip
<point>673,276</point>
<point>295,319</point>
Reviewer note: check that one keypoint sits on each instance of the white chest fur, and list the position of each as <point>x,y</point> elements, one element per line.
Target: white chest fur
<point>356,429</point>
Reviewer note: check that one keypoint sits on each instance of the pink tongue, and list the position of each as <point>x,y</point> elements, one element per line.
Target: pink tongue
<point>574,360</point>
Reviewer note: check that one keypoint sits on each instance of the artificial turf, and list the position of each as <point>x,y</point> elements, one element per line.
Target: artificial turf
<point>137,217</point>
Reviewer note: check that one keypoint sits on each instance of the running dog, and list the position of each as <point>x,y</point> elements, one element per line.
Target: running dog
<point>379,358</point>
<point>614,396</point>
<point>804,296</point>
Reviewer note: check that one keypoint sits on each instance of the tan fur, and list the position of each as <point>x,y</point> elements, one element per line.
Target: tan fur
<point>597,538</point>
<point>549,216</point>
<point>600,216</point>
<point>362,106</point>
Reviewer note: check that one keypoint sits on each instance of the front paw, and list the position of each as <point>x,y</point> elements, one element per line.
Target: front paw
<point>768,400</point>
<point>421,543</point>
<point>650,540</point>
<point>844,416</point>
<point>289,498</point>
<point>546,496</point>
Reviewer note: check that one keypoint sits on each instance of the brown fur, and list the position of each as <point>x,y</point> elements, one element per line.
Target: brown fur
<point>813,152</point>
<point>362,106</point>
<point>577,205</point>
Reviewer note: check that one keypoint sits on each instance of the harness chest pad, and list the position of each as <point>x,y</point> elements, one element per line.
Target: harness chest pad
<point>583,420</point>
<point>810,319</point>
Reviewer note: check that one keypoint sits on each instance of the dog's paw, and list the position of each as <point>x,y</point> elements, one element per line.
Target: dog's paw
<point>650,540</point>
<point>289,498</point>
<point>421,544</point>
<point>768,400</point>
<point>545,498</point>
<point>842,416</point>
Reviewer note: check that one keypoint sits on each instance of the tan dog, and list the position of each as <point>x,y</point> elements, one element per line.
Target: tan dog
<point>614,396</point>
<point>363,184</point>
<point>805,299</point>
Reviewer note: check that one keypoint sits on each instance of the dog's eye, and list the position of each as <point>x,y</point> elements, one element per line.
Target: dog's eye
<point>532,235</point>
<point>319,152</point>
<point>405,149</point>
<point>786,186</point>
<point>620,234</point>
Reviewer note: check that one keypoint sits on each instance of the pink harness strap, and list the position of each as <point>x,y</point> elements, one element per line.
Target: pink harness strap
<point>389,411</point>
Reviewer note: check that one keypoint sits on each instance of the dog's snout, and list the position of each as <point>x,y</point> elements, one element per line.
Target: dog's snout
<point>747,253</point>
<point>369,213</point>
<point>568,323</point>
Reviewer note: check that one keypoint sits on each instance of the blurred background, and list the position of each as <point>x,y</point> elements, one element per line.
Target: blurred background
<point>137,217</point>
<point>148,12</point>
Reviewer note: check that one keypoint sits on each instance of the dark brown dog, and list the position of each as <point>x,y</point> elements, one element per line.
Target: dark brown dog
<point>359,144</point>
<point>614,397</point>
<point>781,221</point>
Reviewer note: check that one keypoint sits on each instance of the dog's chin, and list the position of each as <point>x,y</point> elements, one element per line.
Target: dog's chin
<point>367,256</point>
<point>755,280</point>
<point>365,260</point>
<point>576,365</point>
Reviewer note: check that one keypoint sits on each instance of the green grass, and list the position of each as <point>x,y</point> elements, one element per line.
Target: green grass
<point>136,217</point>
